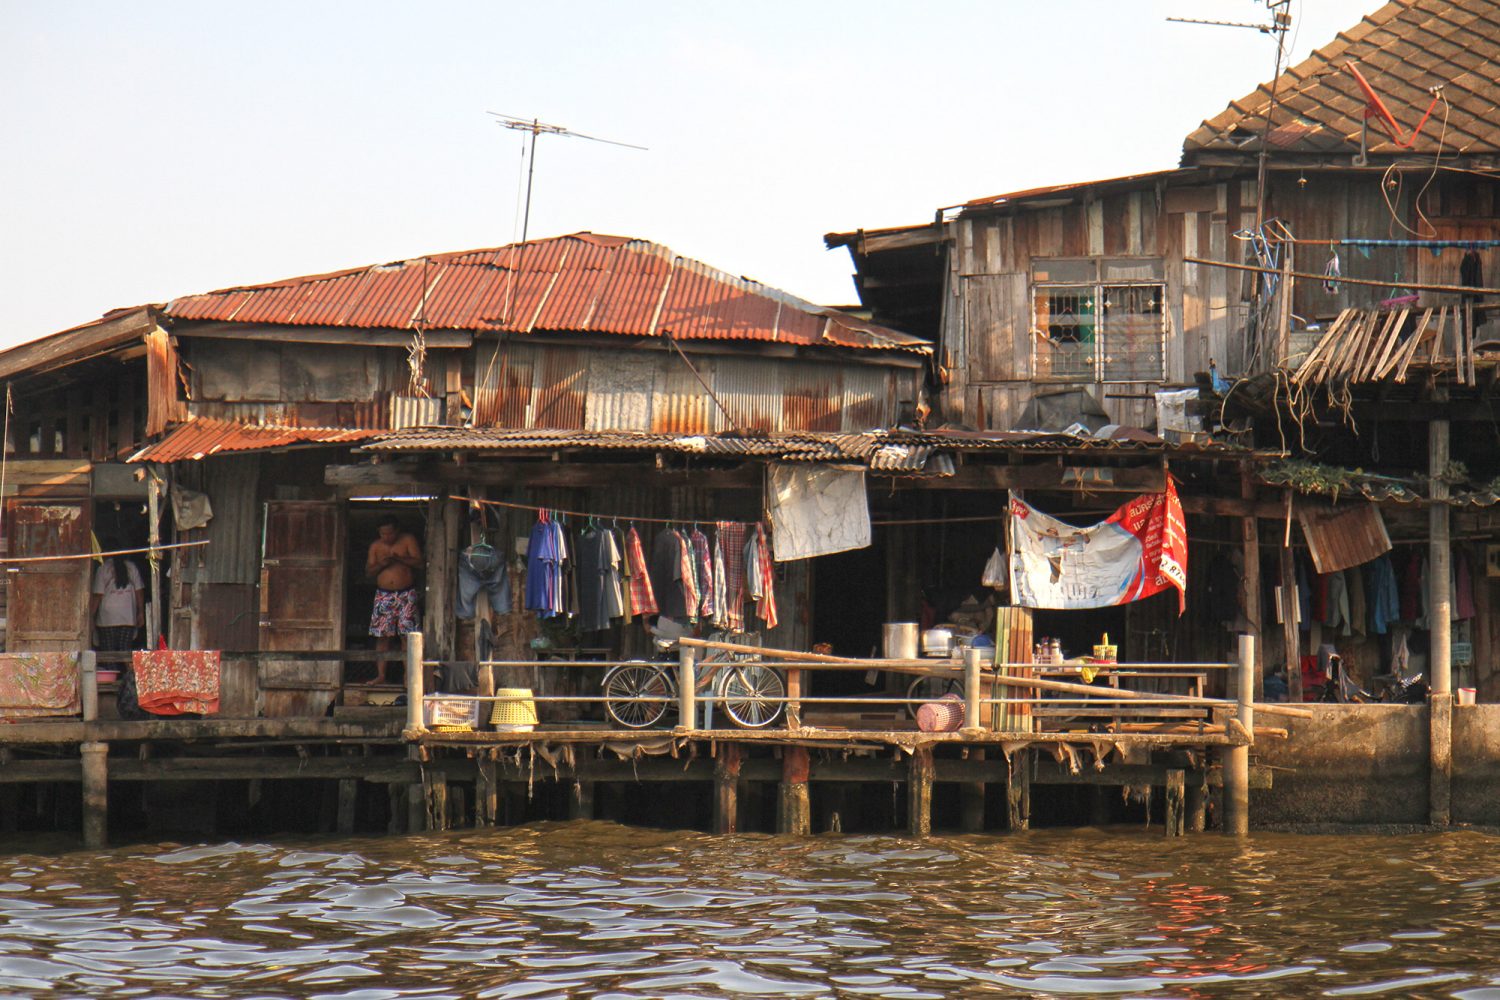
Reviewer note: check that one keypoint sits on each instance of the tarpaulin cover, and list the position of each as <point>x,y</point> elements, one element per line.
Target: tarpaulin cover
<point>1141,550</point>
<point>817,509</point>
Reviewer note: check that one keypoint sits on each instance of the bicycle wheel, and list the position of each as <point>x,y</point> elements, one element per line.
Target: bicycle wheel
<point>930,689</point>
<point>634,680</point>
<point>751,694</point>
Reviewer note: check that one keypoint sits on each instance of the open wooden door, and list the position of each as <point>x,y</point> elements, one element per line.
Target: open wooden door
<point>301,604</point>
<point>48,602</point>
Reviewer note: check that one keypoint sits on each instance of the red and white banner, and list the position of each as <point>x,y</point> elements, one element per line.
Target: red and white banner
<point>1141,550</point>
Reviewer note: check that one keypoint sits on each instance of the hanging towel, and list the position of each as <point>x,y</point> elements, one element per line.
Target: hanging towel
<point>35,685</point>
<point>177,681</point>
<point>817,509</point>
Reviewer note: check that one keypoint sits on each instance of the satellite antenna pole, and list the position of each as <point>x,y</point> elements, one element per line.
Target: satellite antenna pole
<point>536,127</point>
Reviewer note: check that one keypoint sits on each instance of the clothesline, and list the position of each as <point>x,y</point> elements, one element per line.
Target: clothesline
<point>999,515</point>
<point>101,555</point>
<point>1407,244</point>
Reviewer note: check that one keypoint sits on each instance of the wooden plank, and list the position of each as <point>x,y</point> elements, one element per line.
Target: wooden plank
<point>1403,357</point>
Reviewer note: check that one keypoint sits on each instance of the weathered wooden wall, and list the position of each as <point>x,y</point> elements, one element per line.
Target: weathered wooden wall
<point>988,336</point>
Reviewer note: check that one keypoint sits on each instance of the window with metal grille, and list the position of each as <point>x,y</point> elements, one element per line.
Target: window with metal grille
<point>1099,320</point>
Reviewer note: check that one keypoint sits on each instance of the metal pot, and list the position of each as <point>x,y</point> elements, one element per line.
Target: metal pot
<point>937,642</point>
<point>900,640</point>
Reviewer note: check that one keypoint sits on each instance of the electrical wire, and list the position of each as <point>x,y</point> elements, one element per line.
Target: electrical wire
<point>1387,183</point>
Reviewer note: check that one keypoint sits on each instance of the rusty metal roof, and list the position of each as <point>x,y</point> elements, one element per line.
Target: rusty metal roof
<point>203,436</point>
<point>1403,49</point>
<point>583,283</point>
<point>1057,190</point>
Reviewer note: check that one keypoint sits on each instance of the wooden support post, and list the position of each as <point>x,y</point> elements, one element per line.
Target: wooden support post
<point>1237,759</point>
<point>1175,804</point>
<point>1250,577</point>
<point>348,799</point>
<point>581,802</point>
<point>1439,615</point>
<point>794,808</point>
<point>1290,638</point>
<point>687,688</point>
<point>414,718</point>
<point>794,684</point>
<point>973,690</point>
<point>95,794</point>
<point>88,680</point>
<point>919,793</point>
<point>153,537</point>
<point>971,801</point>
<point>435,796</point>
<point>1197,808</point>
<point>727,788</point>
<point>395,797</point>
<point>1018,791</point>
<point>1099,804</point>
<point>486,791</point>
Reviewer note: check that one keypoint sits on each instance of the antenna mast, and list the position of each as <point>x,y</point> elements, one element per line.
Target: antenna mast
<point>537,128</point>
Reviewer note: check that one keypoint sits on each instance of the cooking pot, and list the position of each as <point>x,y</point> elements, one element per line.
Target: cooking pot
<point>900,640</point>
<point>937,642</point>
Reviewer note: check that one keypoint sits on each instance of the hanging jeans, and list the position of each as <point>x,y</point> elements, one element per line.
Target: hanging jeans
<point>482,568</point>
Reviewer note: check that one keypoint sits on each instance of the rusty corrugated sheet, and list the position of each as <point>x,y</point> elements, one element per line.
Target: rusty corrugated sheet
<point>415,411</point>
<point>1341,537</point>
<point>202,437</point>
<point>751,390</point>
<point>680,405</point>
<point>583,283</point>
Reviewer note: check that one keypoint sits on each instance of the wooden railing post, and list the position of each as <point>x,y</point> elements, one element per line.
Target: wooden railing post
<point>973,690</point>
<point>88,681</point>
<point>414,719</point>
<point>687,688</point>
<point>1237,758</point>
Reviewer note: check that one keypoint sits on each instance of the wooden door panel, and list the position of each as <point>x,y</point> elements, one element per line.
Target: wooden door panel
<point>47,602</point>
<point>301,604</point>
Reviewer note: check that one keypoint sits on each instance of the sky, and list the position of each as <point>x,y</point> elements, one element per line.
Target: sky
<point>156,149</point>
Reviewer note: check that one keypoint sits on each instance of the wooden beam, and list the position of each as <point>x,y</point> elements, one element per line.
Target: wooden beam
<point>427,475</point>
<point>919,793</point>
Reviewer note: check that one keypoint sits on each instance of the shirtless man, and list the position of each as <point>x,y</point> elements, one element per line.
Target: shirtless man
<point>394,559</point>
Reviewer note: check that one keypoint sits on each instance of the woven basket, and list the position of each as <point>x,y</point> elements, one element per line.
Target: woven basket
<point>514,716</point>
<point>946,715</point>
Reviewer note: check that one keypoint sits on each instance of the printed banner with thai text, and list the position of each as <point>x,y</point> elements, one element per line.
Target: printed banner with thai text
<point>1141,550</point>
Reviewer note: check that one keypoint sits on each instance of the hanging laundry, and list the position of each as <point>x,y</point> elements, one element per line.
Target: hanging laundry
<point>667,578</point>
<point>1413,598</point>
<point>593,585</point>
<point>731,596</point>
<point>545,553</point>
<point>1331,272</point>
<point>704,564</point>
<point>761,576</point>
<point>614,576</point>
<point>1358,614</point>
<point>1381,594</point>
<point>1463,587</point>
<point>177,681</point>
<point>642,597</point>
<point>1338,604</point>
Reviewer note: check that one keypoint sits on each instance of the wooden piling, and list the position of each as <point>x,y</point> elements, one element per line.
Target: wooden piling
<point>1175,804</point>
<point>348,799</point>
<point>793,807</point>
<point>1196,808</point>
<point>919,793</point>
<point>95,794</point>
<point>1439,608</point>
<point>395,798</point>
<point>1099,796</point>
<point>1237,759</point>
<point>687,688</point>
<point>486,791</point>
<point>727,788</point>
<point>435,798</point>
<point>581,801</point>
<point>1250,575</point>
<point>1018,791</point>
<point>88,668</point>
<point>971,801</point>
<point>795,680</point>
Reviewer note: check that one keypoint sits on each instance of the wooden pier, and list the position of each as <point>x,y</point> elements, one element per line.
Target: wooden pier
<point>795,777</point>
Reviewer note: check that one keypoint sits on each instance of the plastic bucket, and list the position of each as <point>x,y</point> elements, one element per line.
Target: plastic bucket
<point>514,716</point>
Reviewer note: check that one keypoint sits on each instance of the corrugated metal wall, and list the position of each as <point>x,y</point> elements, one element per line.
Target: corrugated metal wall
<point>531,385</point>
<point>232,554</point>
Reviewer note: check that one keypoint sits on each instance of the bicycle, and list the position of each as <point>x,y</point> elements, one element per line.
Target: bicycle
<point>639,693</point>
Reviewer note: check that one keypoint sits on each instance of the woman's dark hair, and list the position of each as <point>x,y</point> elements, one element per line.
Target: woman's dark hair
<point>122,572</point>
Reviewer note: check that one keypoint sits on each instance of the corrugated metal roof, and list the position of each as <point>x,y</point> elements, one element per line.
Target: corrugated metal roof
<point>1403,50</point>
<point>203,436</point>
<point>583,283</point>
<point>1053,190</point>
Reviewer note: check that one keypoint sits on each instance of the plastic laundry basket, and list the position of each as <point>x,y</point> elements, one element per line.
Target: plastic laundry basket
<point>514,716</point>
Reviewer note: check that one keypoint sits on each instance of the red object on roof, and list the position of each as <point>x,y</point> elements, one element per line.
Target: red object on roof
<point>204,436</point>
<point>583,283</point>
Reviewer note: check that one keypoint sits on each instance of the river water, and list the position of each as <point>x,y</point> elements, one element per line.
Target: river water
<point>598,910</point>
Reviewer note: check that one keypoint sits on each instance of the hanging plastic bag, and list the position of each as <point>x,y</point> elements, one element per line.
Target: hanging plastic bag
<point>995,575</point>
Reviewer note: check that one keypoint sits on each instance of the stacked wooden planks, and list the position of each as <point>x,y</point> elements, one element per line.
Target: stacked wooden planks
<point>1368,345</point>
<point>1013,639</point>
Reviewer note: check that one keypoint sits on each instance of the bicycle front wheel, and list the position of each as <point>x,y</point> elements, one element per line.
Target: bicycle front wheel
<point>752,695</point>
<point>638,694</point>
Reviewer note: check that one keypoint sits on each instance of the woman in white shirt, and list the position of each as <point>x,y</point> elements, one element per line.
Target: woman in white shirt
<point>117,606</point>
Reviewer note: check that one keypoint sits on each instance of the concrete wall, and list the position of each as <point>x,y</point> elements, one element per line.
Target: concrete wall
<point>1348,764</point>
<point>1369,764</point>
<point>1476,764</point>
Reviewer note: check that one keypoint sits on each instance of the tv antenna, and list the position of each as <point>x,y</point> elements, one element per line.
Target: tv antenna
<point>538,128</point>
<point>1281,19</point>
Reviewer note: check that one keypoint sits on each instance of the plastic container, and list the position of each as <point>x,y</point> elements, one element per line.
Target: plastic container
<point>440,711</point>
<point>900,640</point>
<point>514,716</point>
<point>1466,696</point>
<point>946,715</point>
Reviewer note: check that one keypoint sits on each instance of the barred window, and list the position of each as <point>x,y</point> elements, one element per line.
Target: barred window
<point>1102,328</point>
